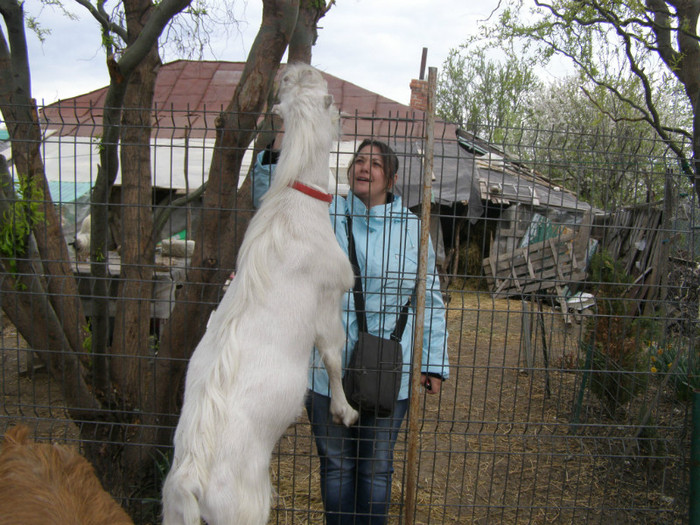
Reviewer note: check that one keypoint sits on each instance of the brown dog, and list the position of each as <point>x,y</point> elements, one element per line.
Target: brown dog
<point>44,484</point>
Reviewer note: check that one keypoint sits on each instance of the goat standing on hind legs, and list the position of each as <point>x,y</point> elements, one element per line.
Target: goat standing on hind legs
<point>247,378</point>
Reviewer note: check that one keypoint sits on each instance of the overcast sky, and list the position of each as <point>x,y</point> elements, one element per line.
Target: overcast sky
<point>376,44</point>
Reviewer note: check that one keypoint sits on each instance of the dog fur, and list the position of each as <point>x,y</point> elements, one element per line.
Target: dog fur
<point>44,484</point>
<point>247,378</point>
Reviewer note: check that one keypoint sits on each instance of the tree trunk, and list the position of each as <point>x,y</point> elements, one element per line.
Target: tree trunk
<point>153,22</point>
<point>26,303</point>
<point>53,300</point>
<point>20,115</point>
<point>122,467</point>
<point>683,60</point>
<point>306,31</point>
<point>131,341</point>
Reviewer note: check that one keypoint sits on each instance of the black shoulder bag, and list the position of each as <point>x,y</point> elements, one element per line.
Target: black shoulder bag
<point>373,376</point>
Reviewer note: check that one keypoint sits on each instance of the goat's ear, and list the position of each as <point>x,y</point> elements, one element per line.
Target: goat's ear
<point>328,100</point>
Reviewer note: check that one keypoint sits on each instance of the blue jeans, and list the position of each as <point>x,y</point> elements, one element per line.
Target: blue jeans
<point>356,462</point>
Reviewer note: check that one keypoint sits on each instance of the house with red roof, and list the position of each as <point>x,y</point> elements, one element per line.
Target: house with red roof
<point>468,175</point>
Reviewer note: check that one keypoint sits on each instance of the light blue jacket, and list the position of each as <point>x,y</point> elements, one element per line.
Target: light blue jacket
<point>386,243</point>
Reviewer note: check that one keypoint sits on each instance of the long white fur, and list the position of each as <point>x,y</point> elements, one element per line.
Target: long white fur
<point>247,378</point>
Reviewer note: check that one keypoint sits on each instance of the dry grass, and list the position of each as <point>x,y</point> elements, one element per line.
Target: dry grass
<point>493,448</point>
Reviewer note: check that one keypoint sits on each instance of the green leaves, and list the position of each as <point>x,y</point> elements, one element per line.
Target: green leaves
<point>592,72</point>
<point>480,86</point>
<point>19,219</point>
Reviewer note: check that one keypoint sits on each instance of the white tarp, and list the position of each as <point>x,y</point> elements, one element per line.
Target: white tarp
<point>75,160</point>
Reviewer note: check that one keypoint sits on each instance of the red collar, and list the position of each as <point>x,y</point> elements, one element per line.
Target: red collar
<point>313,192</point>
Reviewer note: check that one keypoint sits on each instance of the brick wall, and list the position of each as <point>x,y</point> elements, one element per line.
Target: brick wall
<point>419,94</point>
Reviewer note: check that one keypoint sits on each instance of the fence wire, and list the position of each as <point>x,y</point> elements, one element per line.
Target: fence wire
<point>568,265</point>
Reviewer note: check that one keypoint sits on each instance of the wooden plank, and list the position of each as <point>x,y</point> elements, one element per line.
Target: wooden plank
<point>527,335</point>
<point>536,247</point>
<point>530,269</point>
<point>535,258</point>
<point>501,286</point>
<point>564,254</point>
<point>543,274</point>
<point>509,285</point>
<point>528,288</point>
<point>538,265</point>
<point>515,280</point>
<point>548,281</point>
<point>546,265</point>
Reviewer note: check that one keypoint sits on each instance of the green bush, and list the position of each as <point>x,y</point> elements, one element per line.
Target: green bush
<point>618,365</point>
<point>685,376</point>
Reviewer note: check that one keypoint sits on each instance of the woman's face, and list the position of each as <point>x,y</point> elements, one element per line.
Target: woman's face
<point>367,178</point>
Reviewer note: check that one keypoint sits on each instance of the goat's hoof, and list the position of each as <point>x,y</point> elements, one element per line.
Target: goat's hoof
<point>347,416</point>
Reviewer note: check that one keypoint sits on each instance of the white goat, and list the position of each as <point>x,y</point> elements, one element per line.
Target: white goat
<point>247,378</point>
<point>82,240</point>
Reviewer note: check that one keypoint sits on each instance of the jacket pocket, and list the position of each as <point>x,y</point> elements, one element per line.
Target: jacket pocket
<point>401,276</point>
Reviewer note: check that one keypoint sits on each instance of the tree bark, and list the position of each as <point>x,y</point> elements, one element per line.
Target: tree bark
<point>683,61</point>
<point>131,341</point>
<point>306,30</point>
<point>20,115</point>
<point>46,310</point>
<point>127,116</point>
<point>120,72</point>
<point>26,303</point>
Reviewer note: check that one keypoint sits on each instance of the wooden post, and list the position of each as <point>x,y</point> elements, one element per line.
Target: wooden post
<point>526,333</point>
<point>545,352</point>
<point>414,407</point>
<point>655,290</point>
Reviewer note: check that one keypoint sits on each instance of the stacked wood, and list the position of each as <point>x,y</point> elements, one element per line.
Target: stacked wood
<point>636,237</point>
<point>631,236</point>
<point>683,295</point>
<point>549,265</point>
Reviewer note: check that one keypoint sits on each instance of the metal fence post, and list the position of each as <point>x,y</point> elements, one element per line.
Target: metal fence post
<point>414,408</point>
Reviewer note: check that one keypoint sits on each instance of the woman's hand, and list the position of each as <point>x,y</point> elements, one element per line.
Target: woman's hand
<point>431,384</point>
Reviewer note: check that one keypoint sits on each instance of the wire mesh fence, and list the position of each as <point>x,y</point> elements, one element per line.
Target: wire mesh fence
<point>567,265</point>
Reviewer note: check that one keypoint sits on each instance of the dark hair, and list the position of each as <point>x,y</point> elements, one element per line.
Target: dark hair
<point>391,161</point>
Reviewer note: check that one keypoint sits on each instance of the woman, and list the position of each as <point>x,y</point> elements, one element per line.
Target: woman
<point>356,462</point>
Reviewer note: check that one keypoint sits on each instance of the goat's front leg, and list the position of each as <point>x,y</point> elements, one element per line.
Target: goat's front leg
<point>329,342</point>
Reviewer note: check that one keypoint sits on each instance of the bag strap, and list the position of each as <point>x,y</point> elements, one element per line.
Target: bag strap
<point>357,290</point>
<point>397,334</point>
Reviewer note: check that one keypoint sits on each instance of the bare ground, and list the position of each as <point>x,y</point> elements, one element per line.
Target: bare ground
<point>494,447</point>
<point>497,448</point>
